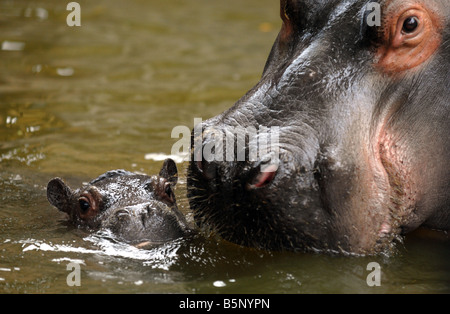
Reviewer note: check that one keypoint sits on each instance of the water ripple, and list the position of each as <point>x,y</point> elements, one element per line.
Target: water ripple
<point>160,257</point>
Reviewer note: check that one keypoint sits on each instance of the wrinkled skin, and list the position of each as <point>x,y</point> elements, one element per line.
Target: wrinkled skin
<point>364,149</point>
<point>136,208</point>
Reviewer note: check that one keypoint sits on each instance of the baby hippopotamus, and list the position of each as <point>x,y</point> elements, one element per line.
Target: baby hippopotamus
<point>134,207</point>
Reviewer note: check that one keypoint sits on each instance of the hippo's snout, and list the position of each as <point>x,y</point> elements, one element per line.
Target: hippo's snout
<point>153,222</point>
<point>254,176</point>
<point>248,157</point>
<point>246,201</point>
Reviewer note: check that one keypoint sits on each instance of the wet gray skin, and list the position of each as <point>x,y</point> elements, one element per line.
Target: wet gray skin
<point>364,149</point>
<point>135,208</point>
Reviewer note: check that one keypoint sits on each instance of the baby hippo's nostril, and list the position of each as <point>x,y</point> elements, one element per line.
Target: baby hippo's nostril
<point>264,177</point>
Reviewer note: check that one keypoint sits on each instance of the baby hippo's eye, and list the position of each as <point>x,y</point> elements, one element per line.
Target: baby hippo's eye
<point>84,204</point>
<point>90,204</point>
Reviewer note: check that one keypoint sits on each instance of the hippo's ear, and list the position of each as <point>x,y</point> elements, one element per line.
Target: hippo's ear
<point>59,194</point>
<point>169,171</point>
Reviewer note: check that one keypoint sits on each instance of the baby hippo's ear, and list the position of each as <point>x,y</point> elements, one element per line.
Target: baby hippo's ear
<point>59,194</point>
<point>169,171</point>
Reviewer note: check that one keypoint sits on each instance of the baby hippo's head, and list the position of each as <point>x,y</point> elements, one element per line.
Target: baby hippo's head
<point>136,208</point>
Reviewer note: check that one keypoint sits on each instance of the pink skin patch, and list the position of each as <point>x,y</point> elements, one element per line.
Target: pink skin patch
<point>385,229</point>
<point>265,177</point>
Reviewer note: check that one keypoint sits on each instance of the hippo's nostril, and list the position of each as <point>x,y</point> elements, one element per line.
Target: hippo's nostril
<point>121,213</point>
<point>263,178</point>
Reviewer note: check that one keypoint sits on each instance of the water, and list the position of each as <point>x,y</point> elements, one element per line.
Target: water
<point>76,102</point>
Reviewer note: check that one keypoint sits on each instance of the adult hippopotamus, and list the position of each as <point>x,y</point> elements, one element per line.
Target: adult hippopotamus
<point>358,93</point>
<point>136,208</point>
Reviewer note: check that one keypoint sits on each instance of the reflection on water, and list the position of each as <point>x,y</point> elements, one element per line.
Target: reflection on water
<point>76,102</point>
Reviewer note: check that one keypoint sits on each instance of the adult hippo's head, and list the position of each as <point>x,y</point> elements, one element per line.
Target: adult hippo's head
<point>361,114</point>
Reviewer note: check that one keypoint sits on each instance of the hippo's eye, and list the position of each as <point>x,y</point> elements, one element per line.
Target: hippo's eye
<point>410,38</point>
<point>410,25</point>
<point>84,204</point>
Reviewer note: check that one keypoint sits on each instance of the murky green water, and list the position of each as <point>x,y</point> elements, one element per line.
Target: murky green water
<point>78,101</point>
